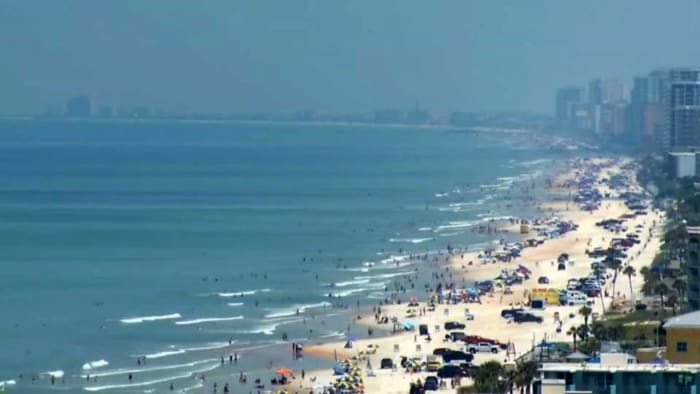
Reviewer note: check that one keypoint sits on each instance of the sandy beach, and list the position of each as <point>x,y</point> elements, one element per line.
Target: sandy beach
<point>487,322</point>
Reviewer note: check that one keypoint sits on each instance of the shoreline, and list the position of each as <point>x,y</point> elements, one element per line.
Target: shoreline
<point>487,323</point>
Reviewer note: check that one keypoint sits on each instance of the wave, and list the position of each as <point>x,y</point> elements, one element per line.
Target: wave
<point>451,234</point>
<point>125,371</point>
<point>440,195</point>
<point>410,240</point>
<point>394,259</point>
<point>235,304</point>
<point>142,319</point>
<point>151,382</point>
<point>243,293</point>
<point>95,364</point>
<point>334,334</point>
<point>385,276</point>
<point>352,282</point>
<point>207,320</point>
<point>294,309</point>
<point>5,383</point>
<point>58,374</point>
<point>455,225</point>
<point>165,353</point>
<point>268,328</point>
<point>369,287</point>
<point>532,163</point>
<point>210,346</point>
<point>425,229</point>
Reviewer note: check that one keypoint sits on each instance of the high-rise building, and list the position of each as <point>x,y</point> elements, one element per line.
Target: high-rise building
<point>647,108</point>
<point>79,107</point>
<point>692,269</point>
<point>683,109</point>
<point>565,105</point>
<point>606,91</point>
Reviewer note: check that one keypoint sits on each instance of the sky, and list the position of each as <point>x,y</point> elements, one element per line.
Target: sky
<point>331,55</point>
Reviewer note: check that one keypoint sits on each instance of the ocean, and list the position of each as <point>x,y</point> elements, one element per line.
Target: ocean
<point>168,239</point>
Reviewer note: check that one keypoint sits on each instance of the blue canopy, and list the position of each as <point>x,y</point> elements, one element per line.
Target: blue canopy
<point>409,325</point>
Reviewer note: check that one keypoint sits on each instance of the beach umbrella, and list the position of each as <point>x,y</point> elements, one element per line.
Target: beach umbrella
<point>409,325</point>
<point>284,371</point>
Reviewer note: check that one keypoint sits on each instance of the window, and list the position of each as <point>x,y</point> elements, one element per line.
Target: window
<point>681,347</point>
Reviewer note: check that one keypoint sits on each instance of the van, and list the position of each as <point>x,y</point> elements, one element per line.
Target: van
<point>580,299</point>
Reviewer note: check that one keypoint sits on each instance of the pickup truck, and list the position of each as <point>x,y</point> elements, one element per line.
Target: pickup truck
<point>453,325</point>
<point>482,347</point>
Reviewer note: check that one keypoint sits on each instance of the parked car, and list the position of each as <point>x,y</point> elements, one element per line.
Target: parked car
<point>510,312</point>
<point>527,317</point>
<point>453,325</point>
<point>451,371</point>
<point>483,347</point>
<point>440,351</point>
<point>456,355</point>
<point>386,363</point>
<point>431,384</point>
<point>543,280</point>
<point>455,336</point>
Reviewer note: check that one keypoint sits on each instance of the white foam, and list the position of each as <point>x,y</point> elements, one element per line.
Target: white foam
<point>207,320</point>
<point>293,310</point>
<point>4,383</point>
<point>141,319</point>
<point>165,353</point>
<point>410,240</point>
<point>190,388</point>
<point>425,229</point>
<point>440,195</point>
<point>151,382</point>
<point>243,293</point>
<point>385,276</point>
<point>334,334</point>
<point>370,287</point>
<point>352,282</point>
<point>210,346</point>
<point>95,364</point>
<point>125,371</point>
<point>235,304</point>
<point>455,225</point>
<point>451,234</point>
<point>58,374</point>
<point>393,259</point>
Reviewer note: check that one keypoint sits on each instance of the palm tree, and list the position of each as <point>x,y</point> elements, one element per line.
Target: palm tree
<point>630,272</point>
<point>572,332</point>
<point>585,311</point>
<point>487,377</point>
<point>679,285</point>
<point>614,265</point>
<point>526,373</point>
<point>661,289</point>
<point>673,300</point>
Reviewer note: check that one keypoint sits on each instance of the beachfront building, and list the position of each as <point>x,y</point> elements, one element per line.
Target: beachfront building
<point>683,339</point>
<point>683,109</point>
<point>683,164</point>
<point>566,104</point>
<point>617,374</point>
<point>692,267</point>
<point>647,109</point>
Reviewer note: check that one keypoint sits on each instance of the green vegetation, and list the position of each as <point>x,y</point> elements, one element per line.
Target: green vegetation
<point>493,377</point>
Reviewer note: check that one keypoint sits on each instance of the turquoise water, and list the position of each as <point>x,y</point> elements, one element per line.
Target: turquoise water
<point>105,223</point>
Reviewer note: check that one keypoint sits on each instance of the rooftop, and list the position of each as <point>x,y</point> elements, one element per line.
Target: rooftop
<point>693,230</point>
<point>638,368</point>
<point>688,320</point>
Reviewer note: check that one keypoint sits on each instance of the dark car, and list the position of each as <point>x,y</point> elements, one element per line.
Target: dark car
<point>543,280</point>
<point>526,318</point>
<point>451,371</point>
<point>453,325</point>
<point>440,351</point>
<point>431,383</point>
<point>456,355</point>
<point>386,363</point>
<point>511,312</point>
<point>456,336</point>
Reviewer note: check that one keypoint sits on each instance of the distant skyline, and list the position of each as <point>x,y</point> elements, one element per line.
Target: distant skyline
<point>340,56</point>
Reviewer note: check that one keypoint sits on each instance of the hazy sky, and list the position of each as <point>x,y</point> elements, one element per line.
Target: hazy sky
<point>331,55</point>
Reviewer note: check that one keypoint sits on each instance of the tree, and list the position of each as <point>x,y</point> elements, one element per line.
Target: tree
<point>679,285</point>
<point>525,374</point>
<point>615,265</point>
<point>661,289</point>
<point>673,301</point>
<point>487,378</point>
<point>585,311</point>
<point>630,272</point>
<point>572,332</point>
